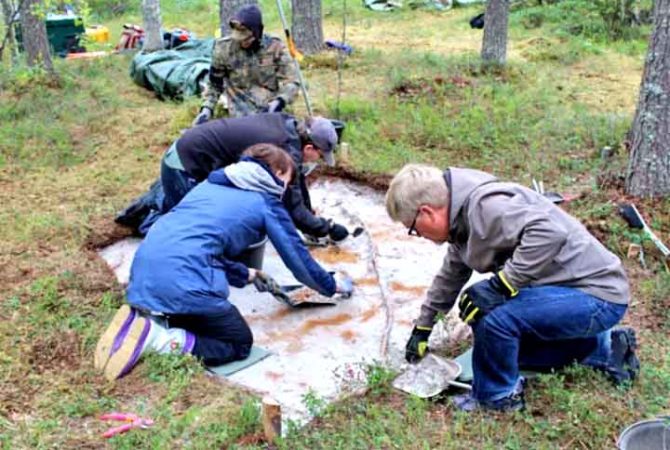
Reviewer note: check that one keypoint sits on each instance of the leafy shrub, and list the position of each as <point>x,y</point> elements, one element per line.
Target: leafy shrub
<point>597,19</point>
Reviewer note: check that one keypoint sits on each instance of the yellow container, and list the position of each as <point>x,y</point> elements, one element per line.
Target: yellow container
<point>98,33</point>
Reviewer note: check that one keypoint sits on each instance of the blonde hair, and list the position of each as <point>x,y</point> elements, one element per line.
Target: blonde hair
<point>413,186</point>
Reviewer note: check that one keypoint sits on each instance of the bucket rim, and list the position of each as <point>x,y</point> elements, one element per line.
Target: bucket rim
<point>258,244</point>
<point>657,420</point>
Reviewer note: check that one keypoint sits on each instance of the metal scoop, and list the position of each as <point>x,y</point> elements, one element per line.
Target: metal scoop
<point>431,376</point>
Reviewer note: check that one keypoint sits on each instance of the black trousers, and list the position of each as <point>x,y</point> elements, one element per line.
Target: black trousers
<point>219,338</point>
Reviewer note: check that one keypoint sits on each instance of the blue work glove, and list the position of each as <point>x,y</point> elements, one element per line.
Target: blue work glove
<point>204,116</point>
<point>344,284</point>
<point>276,105</point>
<point>483,297</point>
<point>417,345</point>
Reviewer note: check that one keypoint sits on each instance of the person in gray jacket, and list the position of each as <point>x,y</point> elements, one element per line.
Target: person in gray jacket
<point>555,294</point>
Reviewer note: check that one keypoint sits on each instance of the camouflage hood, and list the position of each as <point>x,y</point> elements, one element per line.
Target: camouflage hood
<point>251,17</point>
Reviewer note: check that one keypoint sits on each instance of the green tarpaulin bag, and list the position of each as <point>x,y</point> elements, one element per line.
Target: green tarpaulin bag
<point>174,74</point>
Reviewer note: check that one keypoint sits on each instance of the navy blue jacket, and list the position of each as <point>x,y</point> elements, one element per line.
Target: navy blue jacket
<point>184,264</point>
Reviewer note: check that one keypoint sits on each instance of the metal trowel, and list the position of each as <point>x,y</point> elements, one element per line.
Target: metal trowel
<point>430,376</point>
<point>303,298</point>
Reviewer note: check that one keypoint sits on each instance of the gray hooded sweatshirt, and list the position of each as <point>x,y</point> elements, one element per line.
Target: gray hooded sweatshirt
<point>495,225</point>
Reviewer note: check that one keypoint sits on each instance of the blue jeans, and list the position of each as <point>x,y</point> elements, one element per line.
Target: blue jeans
<point>176,184</point>
<point>542,328</point>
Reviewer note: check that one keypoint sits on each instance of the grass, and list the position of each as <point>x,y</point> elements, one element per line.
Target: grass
<point>72,155</point>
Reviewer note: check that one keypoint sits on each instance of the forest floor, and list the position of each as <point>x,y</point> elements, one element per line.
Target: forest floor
<point>74,154</point>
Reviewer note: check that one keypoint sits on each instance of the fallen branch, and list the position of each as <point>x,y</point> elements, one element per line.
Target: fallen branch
<point>374,256</point>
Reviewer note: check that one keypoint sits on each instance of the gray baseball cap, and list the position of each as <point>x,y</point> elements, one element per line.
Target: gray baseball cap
<point>322,133</point>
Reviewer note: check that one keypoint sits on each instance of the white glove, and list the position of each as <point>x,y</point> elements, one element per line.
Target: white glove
<point>344,284</point>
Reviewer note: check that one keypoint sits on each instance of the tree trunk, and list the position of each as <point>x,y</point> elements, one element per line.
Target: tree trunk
<point>494,45</point>
<point>649,163</point>
<point>153,38</point>
<point>226,10</point>
<point>9,40</point>
<point>34,32</point>
<point>307,25</point>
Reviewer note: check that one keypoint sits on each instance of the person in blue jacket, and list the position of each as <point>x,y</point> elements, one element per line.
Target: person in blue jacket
<point>180,277</point>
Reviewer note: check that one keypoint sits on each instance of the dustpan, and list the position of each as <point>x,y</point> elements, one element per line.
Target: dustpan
<point>430,377</point>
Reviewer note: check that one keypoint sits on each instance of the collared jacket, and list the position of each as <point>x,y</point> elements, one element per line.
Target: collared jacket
<point>220,142</point>
<point>186,262</point>
<point>496,225</point>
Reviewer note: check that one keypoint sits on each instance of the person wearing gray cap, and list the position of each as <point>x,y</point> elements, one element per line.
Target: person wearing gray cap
<point>219,143</point>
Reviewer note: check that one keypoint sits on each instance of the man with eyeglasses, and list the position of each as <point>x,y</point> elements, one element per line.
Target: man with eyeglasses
<point>253,71</point>
<point>555,294</point>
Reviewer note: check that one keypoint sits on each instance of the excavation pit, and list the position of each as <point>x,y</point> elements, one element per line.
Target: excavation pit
<point>326,350</point>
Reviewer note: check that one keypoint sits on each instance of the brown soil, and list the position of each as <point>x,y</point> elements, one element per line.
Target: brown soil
<point>60,352</point>
<point>416,290</point>
<point>371,281</point>
<point>302,295</point>
<point>251,439</point>
<point>368,314</point>
<point>428,87</point>
<point>334,255</point>
<point>348,335</point>
<point>338,319</point>
<point>377,181</point>
<point>280,314</point>
<point>105,232</point>
<point>644,313</point>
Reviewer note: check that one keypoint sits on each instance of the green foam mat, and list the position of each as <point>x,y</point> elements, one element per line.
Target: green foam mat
<point>257,354</point>
<point>466,376</point>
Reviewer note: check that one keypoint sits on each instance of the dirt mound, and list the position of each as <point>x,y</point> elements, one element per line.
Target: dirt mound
<point>59,352</point>
<point>377,181</point>
<point>105,232</point>
<point>423,87</point>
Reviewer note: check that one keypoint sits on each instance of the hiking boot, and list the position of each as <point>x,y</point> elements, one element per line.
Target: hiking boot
<point>514,402</point>
<point>129,335</point>
<point>112,337</point>
<point>624,366</point>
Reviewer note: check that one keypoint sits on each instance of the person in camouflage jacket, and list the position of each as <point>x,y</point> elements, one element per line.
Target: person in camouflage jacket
<point>253,70</point>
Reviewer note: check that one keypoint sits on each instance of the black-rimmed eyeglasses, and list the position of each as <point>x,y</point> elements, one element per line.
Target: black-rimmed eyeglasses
<point>412,228</point>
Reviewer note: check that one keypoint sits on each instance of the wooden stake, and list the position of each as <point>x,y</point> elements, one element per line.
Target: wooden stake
<point>344,152</point>
<point>271,419</point>
<point>633,251</point>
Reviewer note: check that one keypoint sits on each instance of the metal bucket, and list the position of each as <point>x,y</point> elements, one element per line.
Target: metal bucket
<point>339,128</point>
<point>253,255</point>
<point>651,434</point>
